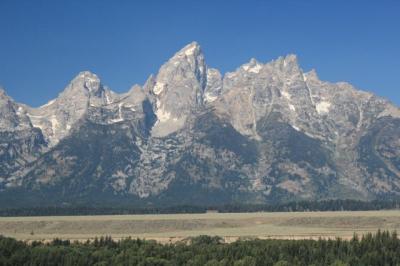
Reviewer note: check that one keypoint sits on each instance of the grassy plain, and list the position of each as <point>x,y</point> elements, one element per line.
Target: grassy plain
<point>175,227</point>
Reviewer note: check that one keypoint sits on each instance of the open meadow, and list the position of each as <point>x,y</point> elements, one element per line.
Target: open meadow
<point>175,227</point>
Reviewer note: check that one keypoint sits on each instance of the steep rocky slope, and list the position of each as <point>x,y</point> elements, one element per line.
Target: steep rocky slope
<point>262,133</point>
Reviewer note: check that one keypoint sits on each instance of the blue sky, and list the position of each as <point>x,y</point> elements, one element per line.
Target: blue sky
<point>44,44</point>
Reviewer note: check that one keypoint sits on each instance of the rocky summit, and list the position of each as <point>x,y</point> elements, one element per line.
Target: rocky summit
<point>264,133</point>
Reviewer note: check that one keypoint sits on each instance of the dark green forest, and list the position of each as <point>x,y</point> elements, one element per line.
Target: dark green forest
<point>382,248</point>
<point>326,205</point>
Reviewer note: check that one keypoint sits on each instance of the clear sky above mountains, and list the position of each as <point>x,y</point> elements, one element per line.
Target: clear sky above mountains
<point>44,44</point>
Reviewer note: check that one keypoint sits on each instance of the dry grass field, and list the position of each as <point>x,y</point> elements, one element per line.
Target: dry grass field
<point>176,227</point>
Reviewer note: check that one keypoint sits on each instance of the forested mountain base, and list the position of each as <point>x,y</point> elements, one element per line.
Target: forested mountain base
<point>382,248</point>
<point>299,206</point>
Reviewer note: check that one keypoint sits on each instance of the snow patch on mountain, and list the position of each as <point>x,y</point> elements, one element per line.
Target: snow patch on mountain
<point>323,107</point>
<point>158,88</point>
<point>286,95</point>
<point>209,97</point>
<point>48,104</point>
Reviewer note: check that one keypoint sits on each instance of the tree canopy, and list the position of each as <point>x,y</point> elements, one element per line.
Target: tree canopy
<point>382,248</point>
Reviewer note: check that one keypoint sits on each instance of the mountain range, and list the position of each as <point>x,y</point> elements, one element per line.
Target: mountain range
<point>264,133</point>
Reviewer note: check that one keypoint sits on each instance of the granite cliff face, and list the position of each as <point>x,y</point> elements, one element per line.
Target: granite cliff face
<point>266,132</point>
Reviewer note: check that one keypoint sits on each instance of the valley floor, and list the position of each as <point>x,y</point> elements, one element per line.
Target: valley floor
<point>167,228</point>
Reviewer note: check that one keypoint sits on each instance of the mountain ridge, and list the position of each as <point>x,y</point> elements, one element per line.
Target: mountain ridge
<point>265,132</point>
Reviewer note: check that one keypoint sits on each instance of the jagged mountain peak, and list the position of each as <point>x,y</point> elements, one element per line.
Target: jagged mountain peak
<point>86,81</point>
<point>12,114</point>
<point>178,89</point>
<point>149,85</point>
<point>189,61</point>
<point>134,88</point>
<point>191,49</point>
<point>311,75</point>
<point>191,55</point>
<point>5,98</point>
<point>58,116</point>
<point>288,64</point>
<point>3,95</point>
<point>2,91</point>
<point>290,59</point>
<point>87,74</point>
<point>283,64</point>
<point>253,66</point>
<point>136,94</point>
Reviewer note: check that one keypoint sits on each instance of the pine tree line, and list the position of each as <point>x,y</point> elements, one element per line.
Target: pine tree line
<point>382,248</point>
